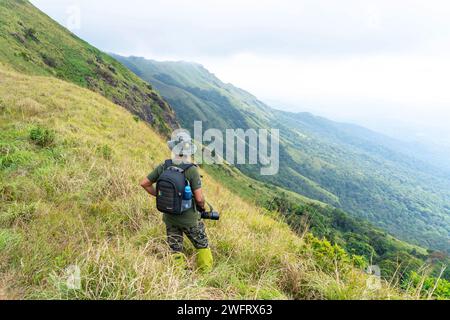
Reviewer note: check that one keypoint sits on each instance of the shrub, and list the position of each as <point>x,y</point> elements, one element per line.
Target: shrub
<point>105,151</point>
<point>42,137</point>
<point>328,256</point>
<point>359,261</point>
<point>30,33</point>
<point>50,61</point>
<point>428,286</point>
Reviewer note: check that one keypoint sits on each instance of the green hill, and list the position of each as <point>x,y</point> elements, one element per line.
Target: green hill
<point>343,165</point>
<point>31,42</point>
<point>70,165</point>
<point>70,160</point>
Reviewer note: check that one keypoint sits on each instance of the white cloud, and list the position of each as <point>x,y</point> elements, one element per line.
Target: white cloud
<point>190,29</point>
<point>404,79</point>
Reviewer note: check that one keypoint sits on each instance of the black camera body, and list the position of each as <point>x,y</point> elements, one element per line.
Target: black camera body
<point>211,215</point>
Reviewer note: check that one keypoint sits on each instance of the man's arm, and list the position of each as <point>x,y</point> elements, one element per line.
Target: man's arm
<point>148,182</point>
<point>148,186</point>
<point>199,199</point>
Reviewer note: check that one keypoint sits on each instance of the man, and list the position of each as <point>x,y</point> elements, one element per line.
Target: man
<point>188,222</point>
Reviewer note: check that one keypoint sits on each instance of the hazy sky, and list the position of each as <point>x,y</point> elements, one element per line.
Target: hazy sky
<point>370,62</point>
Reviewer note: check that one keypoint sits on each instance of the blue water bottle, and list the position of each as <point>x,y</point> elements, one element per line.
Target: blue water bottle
<point>186,203</point>
<point>187,193</point>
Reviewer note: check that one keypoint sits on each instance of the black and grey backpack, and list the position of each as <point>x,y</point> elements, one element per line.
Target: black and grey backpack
<point>170,189</point>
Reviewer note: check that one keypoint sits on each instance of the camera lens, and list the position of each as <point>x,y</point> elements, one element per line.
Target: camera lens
<point>213,215</point>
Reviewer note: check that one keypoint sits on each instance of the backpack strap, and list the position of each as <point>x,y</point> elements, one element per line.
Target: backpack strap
<point>167,164</point>
<point>183,167</point>
<point>187,166</point>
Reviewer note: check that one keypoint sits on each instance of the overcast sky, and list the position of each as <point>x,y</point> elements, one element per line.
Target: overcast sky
<point>384,64</point>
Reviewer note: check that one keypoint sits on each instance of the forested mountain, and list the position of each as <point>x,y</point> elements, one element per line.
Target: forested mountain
<point>360,171</point>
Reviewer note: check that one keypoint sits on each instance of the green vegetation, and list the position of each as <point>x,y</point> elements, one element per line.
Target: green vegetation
<point>346,166</point>
<point>31,42</point>
<point>70,161</point>
<point>429,287</point>
<point>42,137</point>
<point>67,204</point>
<point>397,259</point>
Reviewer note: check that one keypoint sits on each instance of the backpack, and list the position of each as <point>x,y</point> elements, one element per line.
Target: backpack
<point>170,189</point>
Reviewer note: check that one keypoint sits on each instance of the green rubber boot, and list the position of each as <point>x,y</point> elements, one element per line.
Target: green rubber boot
<point>204,260</point>
<point>179,260</point>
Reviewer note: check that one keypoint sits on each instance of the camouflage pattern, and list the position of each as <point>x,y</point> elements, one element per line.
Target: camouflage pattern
<point>196,234</point>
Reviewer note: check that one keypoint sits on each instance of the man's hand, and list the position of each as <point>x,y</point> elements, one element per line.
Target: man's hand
<point>199,199</point>
<point>148,186</point>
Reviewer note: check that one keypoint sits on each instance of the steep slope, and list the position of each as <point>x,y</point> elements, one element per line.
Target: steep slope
<point>70,164</point>
<point>33,43</point>
<point>346,166</point>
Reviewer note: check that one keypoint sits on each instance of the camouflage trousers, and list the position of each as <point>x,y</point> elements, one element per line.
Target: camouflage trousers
<point>196,234</point>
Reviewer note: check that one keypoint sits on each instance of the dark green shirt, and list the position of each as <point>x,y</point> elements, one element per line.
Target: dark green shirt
<point>190,217</point>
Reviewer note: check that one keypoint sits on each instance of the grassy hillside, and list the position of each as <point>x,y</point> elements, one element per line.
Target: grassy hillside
<point>70,163</point>
<point>346,166</point>
<point>33,43</point>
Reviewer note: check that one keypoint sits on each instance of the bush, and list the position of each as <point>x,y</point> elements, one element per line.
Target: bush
<point>105,151</point>
<point>50,61</point>
<point>428,286</point>
<point>30,33</point>
<point>328,256</point>
<point>42,137</point>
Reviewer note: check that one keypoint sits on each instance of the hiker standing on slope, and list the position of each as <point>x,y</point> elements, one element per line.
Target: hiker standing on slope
<point>179,196</point>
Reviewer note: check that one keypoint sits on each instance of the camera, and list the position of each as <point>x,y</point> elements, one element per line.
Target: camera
<point>211,214</point>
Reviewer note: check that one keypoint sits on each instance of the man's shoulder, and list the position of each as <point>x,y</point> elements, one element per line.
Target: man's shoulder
<point>160,166</point>
<point>194,177</point>
<point>192,170</point>
<point>154,175</point>
<point>192,167</point>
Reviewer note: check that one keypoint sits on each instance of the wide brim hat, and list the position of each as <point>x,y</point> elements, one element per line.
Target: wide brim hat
<point>182,146</point>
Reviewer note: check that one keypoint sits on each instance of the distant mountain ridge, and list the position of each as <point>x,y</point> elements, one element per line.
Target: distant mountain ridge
<point>344,165</point>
